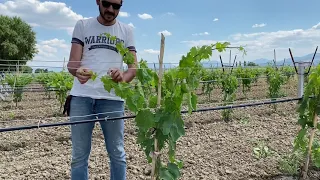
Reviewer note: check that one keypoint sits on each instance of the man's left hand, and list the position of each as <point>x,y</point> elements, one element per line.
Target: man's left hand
<point>116,74</point>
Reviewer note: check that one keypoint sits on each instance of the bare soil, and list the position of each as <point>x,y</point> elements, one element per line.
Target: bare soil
<point>211,149</point>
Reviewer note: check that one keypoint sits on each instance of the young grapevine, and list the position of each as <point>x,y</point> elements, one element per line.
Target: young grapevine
<point>17,82</point>
<point>213,78</point>
<point>63,83</point>
<point>308,119</point>
<point>247,76</point>
<point>229,84</point>
<point>45,79</point>
<point>160,123</point>
<point>275,80</point>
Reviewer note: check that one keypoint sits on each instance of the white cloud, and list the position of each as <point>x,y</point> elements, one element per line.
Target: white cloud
<point>131,24</point>
<point>145,16</point>
<point>48,14</point>
<point>169,58</point>
<point>201,34</point>
<point>124,14</point>
<point>51,54</point>
<point>69,30</point>
<point>216,19</point>
<point>199,42</point>
<point>34,24</point>
<point>151,51</point>
<point>262,44</point>
<point>60,43</point>
<point>165,33</point>
<point>259,25</point>
<point>316,26</point>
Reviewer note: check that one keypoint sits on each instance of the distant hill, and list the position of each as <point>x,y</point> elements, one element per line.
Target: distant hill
<point>264,61</point>
<point>288,60</point>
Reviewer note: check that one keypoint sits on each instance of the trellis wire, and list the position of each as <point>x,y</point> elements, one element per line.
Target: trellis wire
<point>133,116</point>
<point>109,112</point>
<point>218,67</point>
<point>40,89</point>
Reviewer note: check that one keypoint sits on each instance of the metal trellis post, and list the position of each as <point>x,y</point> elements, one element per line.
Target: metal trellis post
<point>301,72</point>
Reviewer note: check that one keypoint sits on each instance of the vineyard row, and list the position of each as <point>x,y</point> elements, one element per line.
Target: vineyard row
<point>61,82</point>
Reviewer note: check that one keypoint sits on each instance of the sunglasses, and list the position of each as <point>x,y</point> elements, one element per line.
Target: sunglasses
<point>107,4</point>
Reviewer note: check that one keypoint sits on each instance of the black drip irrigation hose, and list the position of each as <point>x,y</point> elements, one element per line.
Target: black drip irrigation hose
<point>133,116</point>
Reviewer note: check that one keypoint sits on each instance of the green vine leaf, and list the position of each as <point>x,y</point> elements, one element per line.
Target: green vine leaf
<point>145,119</point>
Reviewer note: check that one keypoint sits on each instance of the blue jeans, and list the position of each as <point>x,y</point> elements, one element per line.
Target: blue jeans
<point>87,109</point>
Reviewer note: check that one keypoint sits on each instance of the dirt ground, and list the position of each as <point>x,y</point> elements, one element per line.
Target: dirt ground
<point>211,149</point>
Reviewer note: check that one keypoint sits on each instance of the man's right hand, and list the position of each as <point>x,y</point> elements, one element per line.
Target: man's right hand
<point>83,74</point>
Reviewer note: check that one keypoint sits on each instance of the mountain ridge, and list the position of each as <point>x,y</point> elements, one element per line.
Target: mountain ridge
<point>264,61</point>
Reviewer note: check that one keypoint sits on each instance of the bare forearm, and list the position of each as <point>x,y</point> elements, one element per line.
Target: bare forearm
<point>73,66</point>
<point>75,58</point>
<point>129,75</point>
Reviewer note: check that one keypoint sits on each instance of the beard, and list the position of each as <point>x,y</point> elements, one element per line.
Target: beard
<point>107,16</point>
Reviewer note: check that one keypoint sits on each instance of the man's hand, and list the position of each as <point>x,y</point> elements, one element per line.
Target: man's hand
<point>116,74</point>
<point>83,75</point>
<point>127,76</point>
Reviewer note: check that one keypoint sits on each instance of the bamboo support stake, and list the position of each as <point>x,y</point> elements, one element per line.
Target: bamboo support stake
<point>160,69</point>
<point>156,147</point>
<point>15,81</point>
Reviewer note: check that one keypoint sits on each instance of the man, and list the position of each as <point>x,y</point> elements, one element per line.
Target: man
<point>89,99</point>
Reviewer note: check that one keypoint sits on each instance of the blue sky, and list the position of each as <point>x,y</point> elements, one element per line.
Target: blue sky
<point>280,25</point>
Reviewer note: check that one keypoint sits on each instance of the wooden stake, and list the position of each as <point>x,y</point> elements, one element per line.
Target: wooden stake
<point>154,172</point>
<point>64,61</point>
<point>160,69</point>
<point>306,165</point>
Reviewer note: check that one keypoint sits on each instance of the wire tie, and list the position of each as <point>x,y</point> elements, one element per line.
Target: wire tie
<point>39,123</point>
<point>106,118</point>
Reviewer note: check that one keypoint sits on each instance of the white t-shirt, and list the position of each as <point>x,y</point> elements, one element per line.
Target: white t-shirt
<point>99,54</point>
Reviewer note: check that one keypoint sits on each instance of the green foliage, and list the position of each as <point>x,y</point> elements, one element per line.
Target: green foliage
<point>288,71</point>
<point>229,84</point>
<point>309,106</point>
<point>290,164</point>
<point>39,70</point>
<point>162,124</point>
<point>252,64</point>
<point>212,77</point>
<point>45,79</point>
<point>247,76</point>
<point>62,82</point>
<point>17,42</point>
<point>308,119</point>
<point>17,82</point>
<point>128,57</point>
<point>275,80</point>
<point>261,150</point>
<point>94,76</point>
<point>26,69</point>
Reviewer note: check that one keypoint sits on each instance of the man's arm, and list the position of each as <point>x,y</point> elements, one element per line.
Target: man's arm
<point>75,58</point>
<point>76,48</point>
<point>129,75</point>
